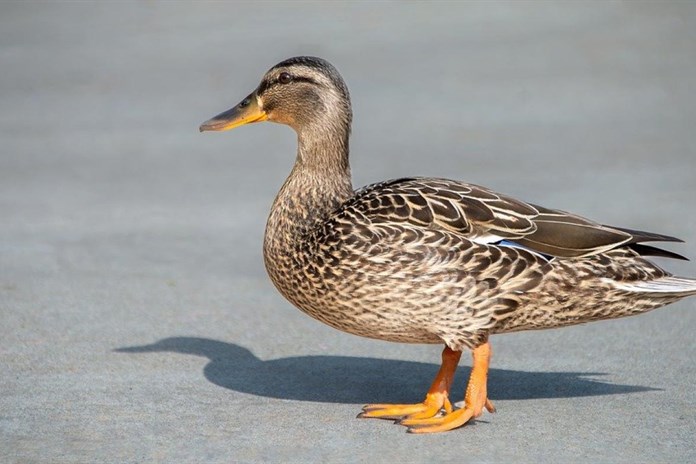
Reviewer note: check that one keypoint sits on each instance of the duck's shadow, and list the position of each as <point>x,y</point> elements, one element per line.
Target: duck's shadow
<point>344,379</point>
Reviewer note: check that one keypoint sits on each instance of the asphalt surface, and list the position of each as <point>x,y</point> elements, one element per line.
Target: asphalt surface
<point>137,322</point>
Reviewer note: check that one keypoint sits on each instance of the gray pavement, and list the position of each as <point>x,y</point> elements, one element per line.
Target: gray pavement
<point>137,322</point>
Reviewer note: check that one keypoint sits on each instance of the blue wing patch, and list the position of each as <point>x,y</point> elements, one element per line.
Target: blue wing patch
<point>510,244</point>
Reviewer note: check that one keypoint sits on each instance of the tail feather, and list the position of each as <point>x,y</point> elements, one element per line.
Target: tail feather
<point>639,236</point>
<point>675,286</point>
<point>647,250</point>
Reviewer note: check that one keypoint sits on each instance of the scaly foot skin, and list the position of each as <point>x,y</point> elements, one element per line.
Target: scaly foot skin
<point>447,422</point>
<point>430,407</point>
<point>436,399</point>
<point>475,400</point>
<point>425,417</point>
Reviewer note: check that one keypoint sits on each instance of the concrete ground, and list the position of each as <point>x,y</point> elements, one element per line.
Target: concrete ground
<point>137,322</point>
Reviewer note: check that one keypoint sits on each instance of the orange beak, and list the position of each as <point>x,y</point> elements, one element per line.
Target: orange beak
<point>246,112</point>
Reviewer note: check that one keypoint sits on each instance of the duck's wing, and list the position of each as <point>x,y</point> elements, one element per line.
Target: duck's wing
<point>484,216</point>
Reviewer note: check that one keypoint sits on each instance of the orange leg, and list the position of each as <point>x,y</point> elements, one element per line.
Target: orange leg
<point>476,399</point>
<point>435,400</point>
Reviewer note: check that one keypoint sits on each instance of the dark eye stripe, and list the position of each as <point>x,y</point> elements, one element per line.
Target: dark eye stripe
<point>304,79</point>
<point>265,85</point>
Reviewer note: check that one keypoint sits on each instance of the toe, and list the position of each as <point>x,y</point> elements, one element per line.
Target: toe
<point>439,424</point>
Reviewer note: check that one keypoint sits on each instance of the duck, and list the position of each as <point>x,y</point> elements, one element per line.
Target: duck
<point>431,260</point>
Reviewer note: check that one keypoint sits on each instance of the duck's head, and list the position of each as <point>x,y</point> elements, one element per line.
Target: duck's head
<point>305,93</point>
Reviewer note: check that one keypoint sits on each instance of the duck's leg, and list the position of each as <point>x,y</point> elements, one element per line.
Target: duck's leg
<point>435,400</point>
<point>476,399</point>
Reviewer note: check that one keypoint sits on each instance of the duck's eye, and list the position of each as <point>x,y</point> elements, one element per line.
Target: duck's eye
<point>284,78</point>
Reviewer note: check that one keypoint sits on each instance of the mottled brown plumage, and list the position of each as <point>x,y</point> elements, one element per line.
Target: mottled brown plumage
<point>424,260</point>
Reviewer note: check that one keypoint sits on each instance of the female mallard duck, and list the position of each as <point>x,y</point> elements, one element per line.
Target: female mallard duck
<point>424,260</point>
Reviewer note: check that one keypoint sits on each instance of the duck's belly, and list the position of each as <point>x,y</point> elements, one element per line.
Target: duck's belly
<point>400,303</point>
<point>381,322</point>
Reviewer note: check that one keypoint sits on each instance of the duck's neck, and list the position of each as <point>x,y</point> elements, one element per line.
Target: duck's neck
<point>318,184</point>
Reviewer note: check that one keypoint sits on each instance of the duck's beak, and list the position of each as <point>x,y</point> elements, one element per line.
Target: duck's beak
<point>246,112</point>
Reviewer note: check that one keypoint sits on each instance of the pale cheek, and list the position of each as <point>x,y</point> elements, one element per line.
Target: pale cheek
<point>281,118</point>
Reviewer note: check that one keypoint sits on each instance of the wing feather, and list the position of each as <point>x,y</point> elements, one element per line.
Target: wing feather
<point>482,215</point>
